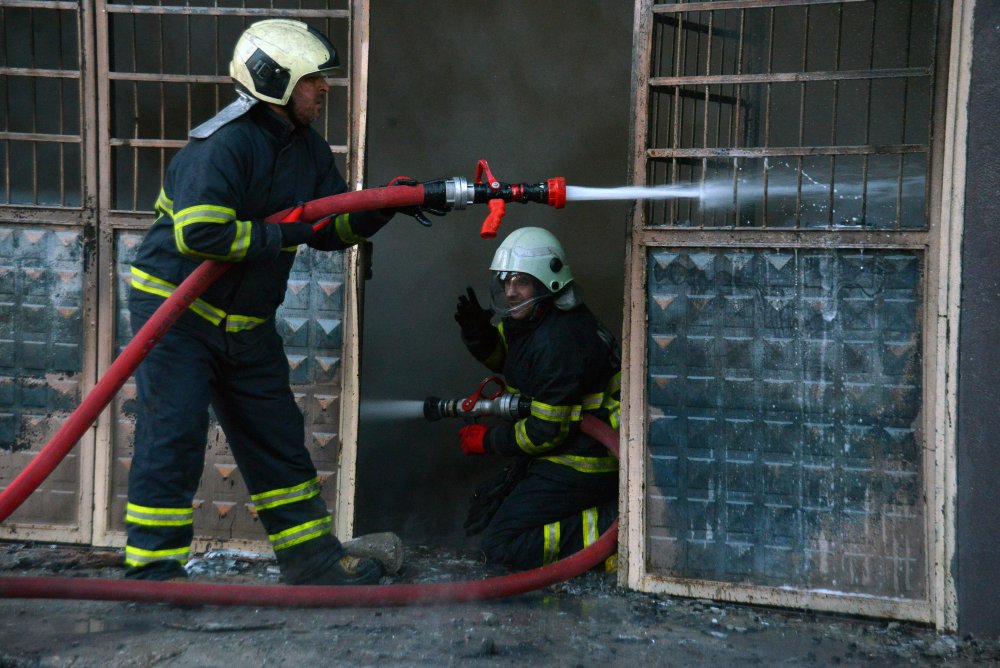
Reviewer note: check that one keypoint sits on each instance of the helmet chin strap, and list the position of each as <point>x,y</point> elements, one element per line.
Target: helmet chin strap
<point>538,309</point>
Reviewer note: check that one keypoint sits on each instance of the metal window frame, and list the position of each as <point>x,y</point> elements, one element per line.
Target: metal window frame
<point>941,247</point>
<point>69,217</point>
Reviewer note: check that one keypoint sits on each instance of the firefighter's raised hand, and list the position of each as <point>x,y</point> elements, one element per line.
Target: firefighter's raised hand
<point>471,317</point>
<point>472,437</point>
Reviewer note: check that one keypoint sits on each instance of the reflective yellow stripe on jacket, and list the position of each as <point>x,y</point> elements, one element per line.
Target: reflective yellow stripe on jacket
<point>585,464</point>
<point>589,520</point>
<point>496,358</point>
<point>529,447</point>
<point>612,400</point>
<point>157,286</point>
<point>210,214</point>
<point>342,224</point>
<point>550,546</point>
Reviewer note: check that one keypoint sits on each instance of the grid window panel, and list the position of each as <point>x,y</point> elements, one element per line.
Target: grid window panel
<point>40,107</point>
<point>797,465</point>
<point>815,116</point>
<point>169,72</point>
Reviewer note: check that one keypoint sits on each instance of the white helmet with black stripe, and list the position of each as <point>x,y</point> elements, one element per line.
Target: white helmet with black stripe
<point>268,60</point>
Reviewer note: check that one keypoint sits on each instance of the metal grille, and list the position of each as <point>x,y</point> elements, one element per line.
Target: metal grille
<point>40,104</point>
<point>803,115</point>
<point>168,71</point>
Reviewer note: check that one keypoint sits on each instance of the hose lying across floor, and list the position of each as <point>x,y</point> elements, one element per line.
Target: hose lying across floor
<point>185,593</point>
<point>145,591</point>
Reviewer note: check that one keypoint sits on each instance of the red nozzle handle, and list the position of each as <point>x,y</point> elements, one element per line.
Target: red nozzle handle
<point>470,401</point>
<point>492,223</point>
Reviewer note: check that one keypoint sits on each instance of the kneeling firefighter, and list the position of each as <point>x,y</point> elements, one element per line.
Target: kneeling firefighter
<point>561,490</point>
<point>257,156</point>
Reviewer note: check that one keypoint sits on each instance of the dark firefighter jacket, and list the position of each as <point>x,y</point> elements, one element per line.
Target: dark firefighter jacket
<point>567,363</point>
<point>216,194</point>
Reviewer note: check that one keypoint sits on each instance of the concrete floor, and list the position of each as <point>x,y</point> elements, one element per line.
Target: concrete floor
<point>587,621</point>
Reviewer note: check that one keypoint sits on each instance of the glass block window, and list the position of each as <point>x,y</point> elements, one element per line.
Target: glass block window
<point>783,392</point>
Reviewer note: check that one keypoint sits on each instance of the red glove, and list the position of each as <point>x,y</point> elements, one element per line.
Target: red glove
<point>472,439</point>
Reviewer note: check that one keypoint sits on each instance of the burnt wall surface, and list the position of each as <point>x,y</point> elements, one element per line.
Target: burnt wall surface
<point>539,90</point>
<point>978,536</point>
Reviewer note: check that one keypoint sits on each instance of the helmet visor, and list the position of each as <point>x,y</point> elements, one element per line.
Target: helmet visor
<point>512,293</point>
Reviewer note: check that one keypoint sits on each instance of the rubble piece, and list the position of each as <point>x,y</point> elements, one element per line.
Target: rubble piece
<point>385,547</point>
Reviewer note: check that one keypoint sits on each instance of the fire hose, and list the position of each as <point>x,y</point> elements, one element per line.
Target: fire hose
<point>446,194</point>
<point>183,593</point>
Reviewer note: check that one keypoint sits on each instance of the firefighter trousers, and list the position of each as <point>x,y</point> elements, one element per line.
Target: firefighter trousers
<point>247,386</point>
<point>554,511</point>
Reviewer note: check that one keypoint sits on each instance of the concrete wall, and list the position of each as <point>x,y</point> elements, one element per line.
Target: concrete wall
<point>978,534</point>
<point>537,89</point>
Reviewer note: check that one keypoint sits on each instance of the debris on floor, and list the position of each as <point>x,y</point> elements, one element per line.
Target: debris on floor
<point>586,621</point>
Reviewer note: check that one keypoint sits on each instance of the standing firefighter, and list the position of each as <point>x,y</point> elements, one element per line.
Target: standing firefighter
<point>259,155</point>
<point>561,491</point>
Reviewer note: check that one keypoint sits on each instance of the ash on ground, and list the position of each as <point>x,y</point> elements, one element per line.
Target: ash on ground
<point>586,621</point>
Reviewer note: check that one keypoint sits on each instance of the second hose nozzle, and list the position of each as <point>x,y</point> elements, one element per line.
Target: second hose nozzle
<point>509,406</point>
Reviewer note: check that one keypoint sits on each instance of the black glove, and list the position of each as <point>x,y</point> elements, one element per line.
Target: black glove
<point>473,318</point>
<point>415,211</point>
<point>293,234</point>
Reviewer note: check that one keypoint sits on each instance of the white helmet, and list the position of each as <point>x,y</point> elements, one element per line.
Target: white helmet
<point>534,252</point>
<point>271,56</point>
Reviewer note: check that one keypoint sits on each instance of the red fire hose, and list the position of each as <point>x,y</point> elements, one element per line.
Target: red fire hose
<point>145,591</point>
<point>444,194</point>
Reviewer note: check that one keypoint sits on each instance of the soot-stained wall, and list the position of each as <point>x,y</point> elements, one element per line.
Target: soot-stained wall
<point>539,90</point>
<point>978,530</point>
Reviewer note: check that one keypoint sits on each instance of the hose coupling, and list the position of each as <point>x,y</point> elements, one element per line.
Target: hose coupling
<point>507,406</point>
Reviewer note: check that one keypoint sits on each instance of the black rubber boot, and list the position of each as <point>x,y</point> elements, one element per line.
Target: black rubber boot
<point>349,571</point>
<point>325,563</point>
